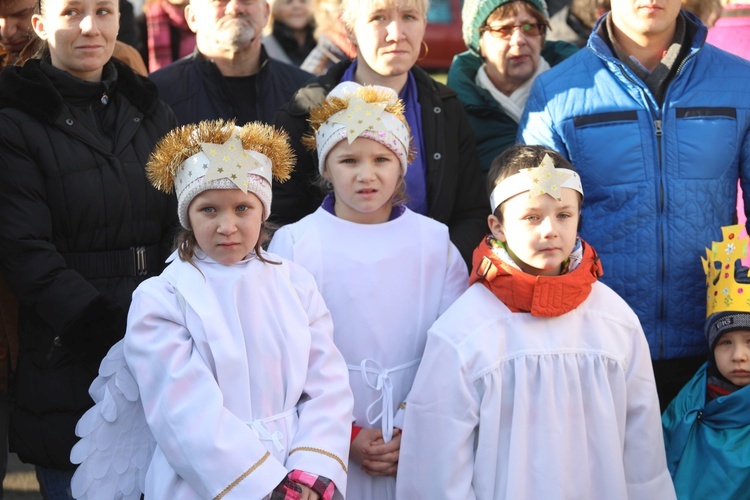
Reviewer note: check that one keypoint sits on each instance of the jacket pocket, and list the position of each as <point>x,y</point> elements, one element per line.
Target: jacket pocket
<point>708,134</point>
<point>608,148</point>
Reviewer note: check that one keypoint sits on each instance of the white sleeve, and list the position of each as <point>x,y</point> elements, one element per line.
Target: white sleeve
<point>456,279</point>
<point>321,444</point>
<point>204,443</point>
<point>644,459</point>
<point>282,243</point>
<point>440,426</point>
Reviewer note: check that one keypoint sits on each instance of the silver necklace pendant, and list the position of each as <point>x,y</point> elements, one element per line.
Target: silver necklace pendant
<point>105,99</point>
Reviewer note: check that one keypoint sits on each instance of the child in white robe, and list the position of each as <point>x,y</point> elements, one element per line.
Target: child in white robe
<point>231,348</point>
<point>386,273</point>
<point>537,382</point>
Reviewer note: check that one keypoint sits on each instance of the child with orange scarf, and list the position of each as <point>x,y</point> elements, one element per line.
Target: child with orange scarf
<point>536,382</point>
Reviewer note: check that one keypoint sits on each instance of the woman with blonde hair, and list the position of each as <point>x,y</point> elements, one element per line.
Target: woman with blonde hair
<point>444,181</point>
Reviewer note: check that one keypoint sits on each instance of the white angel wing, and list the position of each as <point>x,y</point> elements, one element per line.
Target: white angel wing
<point>116,444</point>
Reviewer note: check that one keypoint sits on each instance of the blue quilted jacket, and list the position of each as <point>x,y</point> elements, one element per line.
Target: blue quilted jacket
<point>659,181</point>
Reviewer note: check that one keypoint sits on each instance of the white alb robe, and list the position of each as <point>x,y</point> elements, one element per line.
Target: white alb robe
<point>385,285</point>
<point>511,406</point>
<point>239,378</point>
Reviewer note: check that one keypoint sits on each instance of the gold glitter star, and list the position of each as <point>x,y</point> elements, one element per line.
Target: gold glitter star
<point>360,116</point>
<point>229,154</point>
<point>546,179</point>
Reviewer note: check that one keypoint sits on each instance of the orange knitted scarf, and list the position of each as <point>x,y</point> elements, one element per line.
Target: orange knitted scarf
<point>545,296</point>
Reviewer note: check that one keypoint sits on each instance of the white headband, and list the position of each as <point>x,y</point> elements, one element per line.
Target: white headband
<point>363,119</point>
<point>223,166</point>
<point>544,179</point>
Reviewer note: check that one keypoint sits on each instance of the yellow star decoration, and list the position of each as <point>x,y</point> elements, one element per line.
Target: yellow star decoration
<point>360,116</point>
<point>546,179</point>
<point>229,161</point>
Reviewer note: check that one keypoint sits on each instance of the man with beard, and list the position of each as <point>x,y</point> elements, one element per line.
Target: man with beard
<point>229,75</point>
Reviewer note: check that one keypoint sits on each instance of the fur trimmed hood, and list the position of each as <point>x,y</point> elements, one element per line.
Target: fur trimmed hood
<point>28,89</point>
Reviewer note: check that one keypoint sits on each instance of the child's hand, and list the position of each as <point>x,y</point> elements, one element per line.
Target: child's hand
<point>377,457</point>
<point>307,493</point>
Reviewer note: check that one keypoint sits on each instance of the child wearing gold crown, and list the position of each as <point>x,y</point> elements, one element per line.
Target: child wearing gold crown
<point>707,426</point>
<point>227,383</point>
<point>537,382</point>
<point>386,273</point>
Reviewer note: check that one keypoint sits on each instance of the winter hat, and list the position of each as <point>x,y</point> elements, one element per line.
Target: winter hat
<point>720,323</point>
<point>475,13</point>
<point>352,110</point>
<point>219,155</point>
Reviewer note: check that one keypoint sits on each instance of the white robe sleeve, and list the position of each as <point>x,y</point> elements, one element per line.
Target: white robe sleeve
<point>645,462</point>
<point>321,444</point>
<point>456,278</point>
<point>205,444</point>
<point>282,243</point>
<point>440,427</point>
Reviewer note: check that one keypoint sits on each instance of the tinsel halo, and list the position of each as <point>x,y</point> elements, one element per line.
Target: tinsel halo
<point>183,142</point>
<point>332,105</point>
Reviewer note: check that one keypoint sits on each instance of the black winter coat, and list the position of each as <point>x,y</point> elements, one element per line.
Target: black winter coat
<point>81,227</point>
<point>196,90</point>
<point>455,194</point>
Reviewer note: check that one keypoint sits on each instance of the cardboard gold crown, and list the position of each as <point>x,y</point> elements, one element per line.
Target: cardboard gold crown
<point>724,291</point>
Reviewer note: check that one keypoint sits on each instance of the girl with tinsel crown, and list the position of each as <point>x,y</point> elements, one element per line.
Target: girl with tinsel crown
<point>227,383</point>
<point>385,272</point>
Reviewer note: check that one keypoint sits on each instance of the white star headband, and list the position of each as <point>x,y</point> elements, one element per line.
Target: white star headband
<point>363,119</point>
<point>223,161</point>
<point>544,179</point>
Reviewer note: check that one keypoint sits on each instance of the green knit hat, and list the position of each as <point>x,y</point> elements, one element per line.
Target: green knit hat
<point>476,12</point>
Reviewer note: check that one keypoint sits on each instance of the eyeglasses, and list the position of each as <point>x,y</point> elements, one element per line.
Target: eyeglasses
<point>505,32</point>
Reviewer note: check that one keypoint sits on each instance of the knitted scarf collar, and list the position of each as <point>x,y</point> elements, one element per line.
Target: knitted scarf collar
<point>545,296</point>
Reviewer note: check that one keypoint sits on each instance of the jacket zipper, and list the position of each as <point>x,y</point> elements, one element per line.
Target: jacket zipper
<point>658,133</point>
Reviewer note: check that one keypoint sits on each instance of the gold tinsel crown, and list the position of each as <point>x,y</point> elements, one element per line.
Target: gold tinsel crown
<point>332,105</point>
<point>185,141</point>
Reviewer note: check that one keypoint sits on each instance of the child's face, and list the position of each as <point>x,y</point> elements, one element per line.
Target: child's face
<point>732,354</point>
<point>226,223</point>
<point>540,232</point>
<point>364,175</point>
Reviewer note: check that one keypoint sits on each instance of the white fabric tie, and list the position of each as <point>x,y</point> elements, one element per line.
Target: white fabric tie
<point>383,384</point>
<point>259,427</point>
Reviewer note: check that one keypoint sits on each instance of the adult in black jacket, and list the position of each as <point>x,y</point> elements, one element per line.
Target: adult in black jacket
<point>81,225</point>
<point>229,75</point>
<point>453,192</point>
<point>196,90</point>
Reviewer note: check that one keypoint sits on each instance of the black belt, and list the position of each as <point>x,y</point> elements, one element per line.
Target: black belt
<point>135,261</point>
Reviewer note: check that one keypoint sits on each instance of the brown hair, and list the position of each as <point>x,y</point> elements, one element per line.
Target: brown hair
<point>516,158</point>
<point>185,244</point>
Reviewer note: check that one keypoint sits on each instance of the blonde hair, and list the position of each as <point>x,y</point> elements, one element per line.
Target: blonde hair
<point>352,9</point>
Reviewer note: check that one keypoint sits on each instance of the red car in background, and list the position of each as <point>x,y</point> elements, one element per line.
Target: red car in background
<point>443,35</point>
